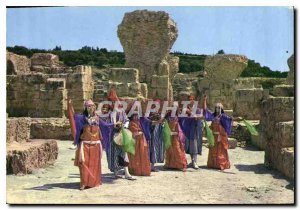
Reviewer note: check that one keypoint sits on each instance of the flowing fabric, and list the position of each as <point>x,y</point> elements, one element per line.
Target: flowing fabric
<point>116,157</point>
<point>167,136</point>
<point>146,127</point>
<point>88,155</point>
<point>251,128</point>
<point>209,135</point>
<point>175,154</point>
<point>156,144</point>
<point>128,141</point>
<point>79,122</point>
<point>218,154</point>
<point>139,163</point>
<point>225,120</point>
<point>107,133</point>
<point>192,129</point>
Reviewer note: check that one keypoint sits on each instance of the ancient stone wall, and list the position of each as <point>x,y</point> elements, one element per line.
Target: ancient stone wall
<point>35,95</point>
<point>291,74</point>
<point>17,130</point>
<point>50,128</point>
<point>22,159</point>
<point>277,130</point>
<point>185,85</point>
<point>17,64</point>
<point>42,91</point>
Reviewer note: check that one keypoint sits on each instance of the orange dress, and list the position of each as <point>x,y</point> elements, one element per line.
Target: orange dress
<point>218,154</point>
<point>175,154</point>
<point>88,156</point>
<point>139,163</point>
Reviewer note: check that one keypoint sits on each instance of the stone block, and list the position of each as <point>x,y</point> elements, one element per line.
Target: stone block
<point>55,83</point>
<point>283,91</point>
<point>284,134</point>
<point>50,128</point>
<point>232,143</point>
<point>258,141</point>
<point>288,160</point>
<point>17,64</point>
<point>44,59</point>
<point>160,81</point>
<point>17,130</point>
<point>144,90</point>
<point>23,158</point>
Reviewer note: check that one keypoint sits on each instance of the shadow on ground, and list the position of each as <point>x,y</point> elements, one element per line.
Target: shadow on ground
<point>106,179</point>
<point>262,169</point>
<point>46,187</point>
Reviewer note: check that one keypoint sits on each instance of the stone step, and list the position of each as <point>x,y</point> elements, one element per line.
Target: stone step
<point>23,158</point>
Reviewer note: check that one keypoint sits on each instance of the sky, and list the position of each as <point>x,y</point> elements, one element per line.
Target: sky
<point>264,34</point>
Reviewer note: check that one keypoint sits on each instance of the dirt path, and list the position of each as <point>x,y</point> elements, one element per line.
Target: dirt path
<point>247,182</point>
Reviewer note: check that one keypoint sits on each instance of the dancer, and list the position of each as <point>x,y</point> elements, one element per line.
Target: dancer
<point>156,145</point>
<point>221,128</point>
<point>116,157</point>
<point>175,154</point>
<point>192,128</point>
<point>87,136</point>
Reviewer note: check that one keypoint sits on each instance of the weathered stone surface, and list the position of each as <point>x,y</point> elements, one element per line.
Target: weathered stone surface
<point>17,64</point>
<point>43,95</point>
<point>232,143</point>
<point>224,67</point>
<point>50,128</point>
<point>291,74</point>
<point>274,110</point>
<point>35,95</point>
<point>284,90</point>
<point>247,103</point>
<point>144,90</point>
<point>147,38</point>
<point>161,87</point>
<point>23,158</point>
<point>284,134</point>
<point>160,81</point>
<point>44,59</point>
<point>173,62</point>
<point>277,130</point>
<point>17,130</point>
<point>240,132</point>
<point>258,141</point>
<point>124,75</point>
<point>184,85</point>
<point>288,159</point>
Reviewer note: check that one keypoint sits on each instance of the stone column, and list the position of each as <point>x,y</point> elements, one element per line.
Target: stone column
<point>147,38</point>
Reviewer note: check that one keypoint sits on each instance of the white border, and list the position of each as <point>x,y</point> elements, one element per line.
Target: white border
<point>5,3</point>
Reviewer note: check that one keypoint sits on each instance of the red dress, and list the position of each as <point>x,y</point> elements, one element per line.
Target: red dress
<point>88,156</point>
<point>175,154</point>
<point>218,154</point>
<point>139,163</point>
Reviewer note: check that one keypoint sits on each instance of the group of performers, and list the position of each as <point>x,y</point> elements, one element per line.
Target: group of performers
<point>94,133</point>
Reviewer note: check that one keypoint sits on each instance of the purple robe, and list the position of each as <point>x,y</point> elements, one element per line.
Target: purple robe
<point>225,120</point>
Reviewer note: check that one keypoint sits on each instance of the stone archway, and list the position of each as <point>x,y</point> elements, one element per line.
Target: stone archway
<point>10,68</point>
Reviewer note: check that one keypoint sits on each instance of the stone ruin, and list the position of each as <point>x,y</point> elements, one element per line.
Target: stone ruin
<point>37,88</point>
<point>277,126</point>
<point>23,154</point>
<point>147,38</point>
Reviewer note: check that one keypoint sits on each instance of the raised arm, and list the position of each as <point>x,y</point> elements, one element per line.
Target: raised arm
<point>71,118</point>
<point>204,102</point>
<point>208,115</point>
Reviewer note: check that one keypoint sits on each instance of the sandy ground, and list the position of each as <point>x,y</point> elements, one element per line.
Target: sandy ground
<point>247,182</point>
